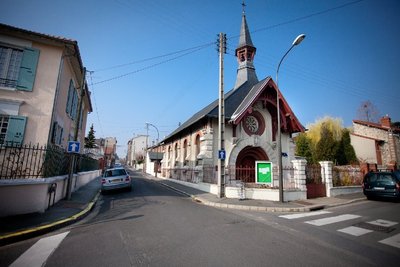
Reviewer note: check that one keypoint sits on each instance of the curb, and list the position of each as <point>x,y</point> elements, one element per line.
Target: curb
<point>258,208</point>
<point>245,207</point>
<point>43,229</point>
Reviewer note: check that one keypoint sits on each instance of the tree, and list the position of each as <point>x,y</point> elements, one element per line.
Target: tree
<point>303,147</point>
<point>396,124</point>
<point>90,139</point>
<point>345,153</point>
<point>327,146</point>
<point>326,139</point>
<point>334,125</point>
<point>368,112</point>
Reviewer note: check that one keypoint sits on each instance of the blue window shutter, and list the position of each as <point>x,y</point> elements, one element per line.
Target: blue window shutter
<point>27,71</point>
<point>70,95</point>
<point>16,130</point>
<point>74,105</point>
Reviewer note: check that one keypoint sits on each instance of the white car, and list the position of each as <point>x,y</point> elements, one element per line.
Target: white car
<point>115,178</point>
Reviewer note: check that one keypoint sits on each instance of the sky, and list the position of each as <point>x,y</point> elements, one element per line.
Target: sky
<point>155,61</point>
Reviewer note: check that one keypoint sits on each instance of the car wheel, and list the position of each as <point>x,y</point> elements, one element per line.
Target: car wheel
<point>370,198</point>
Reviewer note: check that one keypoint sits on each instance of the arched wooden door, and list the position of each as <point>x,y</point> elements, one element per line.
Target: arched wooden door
<point>246,162</point>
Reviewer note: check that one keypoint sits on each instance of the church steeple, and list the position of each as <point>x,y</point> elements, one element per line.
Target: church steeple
<point>245,53</point>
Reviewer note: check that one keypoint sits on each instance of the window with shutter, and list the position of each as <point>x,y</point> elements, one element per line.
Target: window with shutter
<point>15,130</point>
<point>27,71</point>
<point>18,67</point>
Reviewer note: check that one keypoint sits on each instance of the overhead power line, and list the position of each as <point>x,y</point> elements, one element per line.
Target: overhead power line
<point>191,50</point>
<point>199,47</point>
<point>152,58</point>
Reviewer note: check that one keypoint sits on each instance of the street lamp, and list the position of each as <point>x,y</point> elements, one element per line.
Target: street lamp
<point>296,41</point>
<point>158,138</point>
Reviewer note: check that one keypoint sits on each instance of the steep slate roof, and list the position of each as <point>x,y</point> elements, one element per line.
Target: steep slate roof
<point>245,38</point>
<point>243,95</point>
<point>232,100</point>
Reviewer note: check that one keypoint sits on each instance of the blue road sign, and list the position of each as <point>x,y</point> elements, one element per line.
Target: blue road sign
<point>73,147</point>
<point>221,154</point>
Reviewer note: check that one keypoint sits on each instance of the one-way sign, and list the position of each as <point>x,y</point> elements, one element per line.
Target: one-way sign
<point>221,154</point>
<point>73,147</point>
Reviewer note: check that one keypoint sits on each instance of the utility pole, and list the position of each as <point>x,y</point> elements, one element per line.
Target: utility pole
<point>77,126</point>
<point>221,118</point>
<point>145,155</point>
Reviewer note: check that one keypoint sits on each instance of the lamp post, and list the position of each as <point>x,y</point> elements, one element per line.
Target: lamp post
<point>158,138</point>
<point>296,41</point>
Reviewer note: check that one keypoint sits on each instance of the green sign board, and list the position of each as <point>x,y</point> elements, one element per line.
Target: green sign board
<point>264,172</point>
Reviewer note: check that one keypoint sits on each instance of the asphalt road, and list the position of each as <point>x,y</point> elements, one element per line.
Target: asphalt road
<point>155,226</point>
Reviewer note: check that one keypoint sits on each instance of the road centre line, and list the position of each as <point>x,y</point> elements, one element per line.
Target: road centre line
<point>335,219</point>
<point>306,214</point>
<point>40,251</point>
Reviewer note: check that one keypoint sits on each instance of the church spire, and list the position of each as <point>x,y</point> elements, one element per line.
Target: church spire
<point>245,53</point>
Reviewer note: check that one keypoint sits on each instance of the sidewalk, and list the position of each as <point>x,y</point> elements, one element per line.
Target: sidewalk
<point>65,212</point>
<point>259,205</point>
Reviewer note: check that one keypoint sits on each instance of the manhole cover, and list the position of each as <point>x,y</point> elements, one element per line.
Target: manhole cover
<point>374,227</point>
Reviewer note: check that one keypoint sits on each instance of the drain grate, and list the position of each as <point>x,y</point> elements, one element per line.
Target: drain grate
<point>373,227</point>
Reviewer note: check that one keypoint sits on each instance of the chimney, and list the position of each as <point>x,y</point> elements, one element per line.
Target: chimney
<point>386,121</point>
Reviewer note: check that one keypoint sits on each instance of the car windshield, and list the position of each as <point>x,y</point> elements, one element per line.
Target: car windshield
<point>115,172</point>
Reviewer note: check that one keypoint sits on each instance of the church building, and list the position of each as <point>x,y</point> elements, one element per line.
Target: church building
<point>190,153</point>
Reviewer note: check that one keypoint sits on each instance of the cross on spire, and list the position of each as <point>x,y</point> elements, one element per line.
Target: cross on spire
<point>243,7</point>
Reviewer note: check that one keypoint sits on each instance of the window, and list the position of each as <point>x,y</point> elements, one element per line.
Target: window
<point>3,128</point>
<point>169,155</point>
<point>197,144</point>
<point>185,148</point>
<point>57,135</point>
<point>176,152</point>
<point>18,67</point>
<point>12,129</point>
<point>72,101</point>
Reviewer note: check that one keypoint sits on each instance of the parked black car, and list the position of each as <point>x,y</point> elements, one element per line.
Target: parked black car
<point>382,184</point>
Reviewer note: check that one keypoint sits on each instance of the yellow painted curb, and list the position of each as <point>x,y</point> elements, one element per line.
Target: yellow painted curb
<point>42,227</point>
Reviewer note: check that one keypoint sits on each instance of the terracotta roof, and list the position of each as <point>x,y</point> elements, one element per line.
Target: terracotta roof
<point>28,32</point>
<point>377,125</point>
<point>8,29</point>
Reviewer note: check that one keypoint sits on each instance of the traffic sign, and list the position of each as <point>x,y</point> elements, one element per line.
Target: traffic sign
<point>73,147</point>
<point>221,154</point>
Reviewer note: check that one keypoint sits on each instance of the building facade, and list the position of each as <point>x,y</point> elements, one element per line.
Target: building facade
<point>41,77</point>
<point>377,143</point>
<point>136,150</point>
<point>190,152</point>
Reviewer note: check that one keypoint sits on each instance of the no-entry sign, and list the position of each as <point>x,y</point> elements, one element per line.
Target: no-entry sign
<point>264,172</point>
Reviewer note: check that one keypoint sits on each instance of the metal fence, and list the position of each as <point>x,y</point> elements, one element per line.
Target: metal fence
<point>313,174</point>
<point>35,161</point>
<point>246,175</point>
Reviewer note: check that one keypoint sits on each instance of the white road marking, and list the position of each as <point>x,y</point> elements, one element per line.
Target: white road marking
<point>306,214</point>
<point>40,251</point>
<point>355,231</point>
<point>392,241</point>
<point>383,223</point>
<point>334,219</point>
